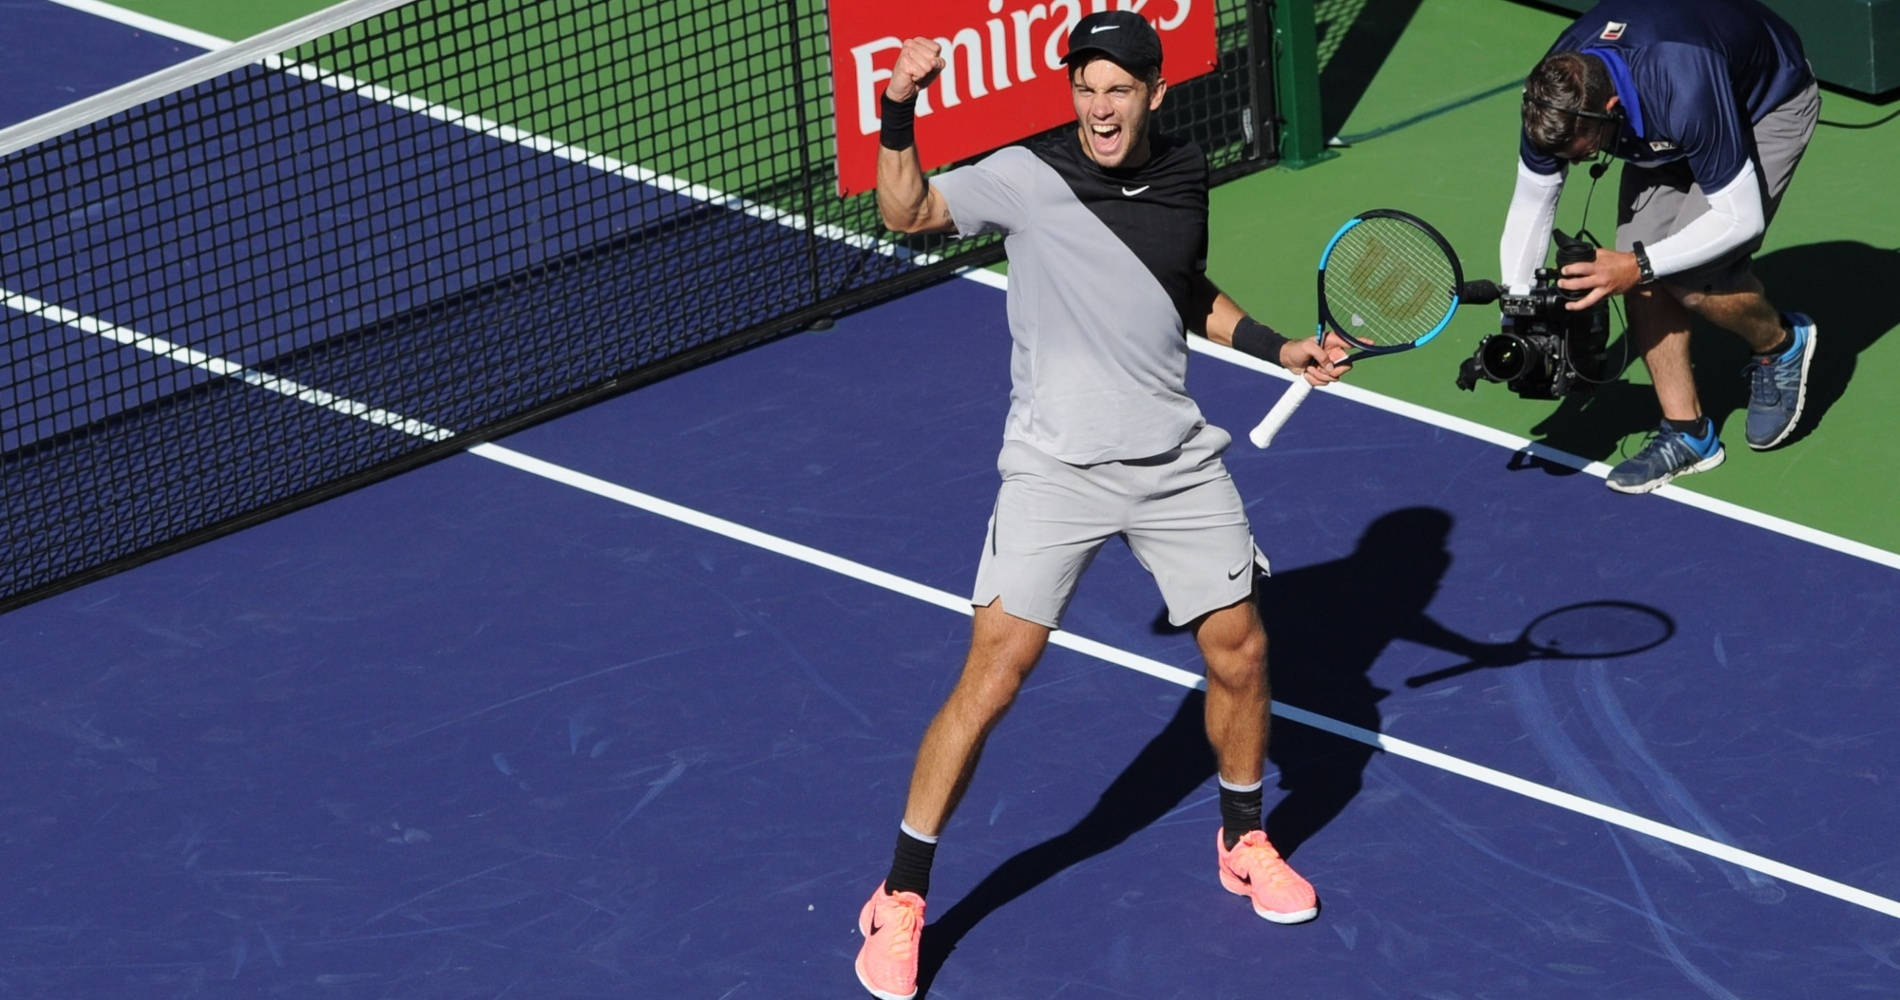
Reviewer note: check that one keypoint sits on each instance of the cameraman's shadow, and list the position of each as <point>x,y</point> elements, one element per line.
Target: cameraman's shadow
<point>1326,624</point>
<point>1842,284</point>
<point>1847,288</point>
<point>1594,424</point>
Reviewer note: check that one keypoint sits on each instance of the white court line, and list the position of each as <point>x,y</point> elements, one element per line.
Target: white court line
<point>1175,675</point>
<point>180,354</point>
<point>1492,435</point>
<point>517,137</point>
<point>1102,651</point>
<point>147,23</point>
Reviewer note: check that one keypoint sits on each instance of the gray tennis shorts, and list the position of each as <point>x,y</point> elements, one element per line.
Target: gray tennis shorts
<point>1179,513</point>
<point>1657,201</point>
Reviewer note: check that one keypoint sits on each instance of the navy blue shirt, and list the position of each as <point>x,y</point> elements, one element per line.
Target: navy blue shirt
<point>1693,77</point>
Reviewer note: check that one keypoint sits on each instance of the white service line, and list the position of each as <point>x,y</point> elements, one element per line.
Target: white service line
<point>180,354</point>
<point>1175,675</point>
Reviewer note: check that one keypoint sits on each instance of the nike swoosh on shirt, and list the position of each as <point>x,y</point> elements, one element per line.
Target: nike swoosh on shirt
<point>1131,193</point>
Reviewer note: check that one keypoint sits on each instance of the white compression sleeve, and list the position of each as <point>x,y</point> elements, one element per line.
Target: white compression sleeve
<point>1527,226</point>
<point>1735,216</point>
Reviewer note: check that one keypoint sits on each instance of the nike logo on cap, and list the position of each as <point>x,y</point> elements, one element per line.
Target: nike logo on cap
<point>1098,29</point>
<point>1131,192</point>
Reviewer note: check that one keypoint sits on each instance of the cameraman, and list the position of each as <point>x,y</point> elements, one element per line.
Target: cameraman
<point>1711,104</point>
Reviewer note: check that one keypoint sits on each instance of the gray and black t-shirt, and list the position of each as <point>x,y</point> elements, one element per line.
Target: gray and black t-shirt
<point>1104,267</point>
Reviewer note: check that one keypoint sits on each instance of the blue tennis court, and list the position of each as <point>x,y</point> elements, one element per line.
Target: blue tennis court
<point>624,704</point>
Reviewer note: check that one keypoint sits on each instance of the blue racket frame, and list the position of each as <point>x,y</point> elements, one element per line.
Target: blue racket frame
<point>1263,433</point>
<point>1451,307</point>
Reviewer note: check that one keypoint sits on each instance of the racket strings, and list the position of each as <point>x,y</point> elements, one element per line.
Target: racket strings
<point>1388,283</point>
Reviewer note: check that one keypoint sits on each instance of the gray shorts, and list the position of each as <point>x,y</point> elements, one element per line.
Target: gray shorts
<point>1657,201</point>
<point>1179,512</point>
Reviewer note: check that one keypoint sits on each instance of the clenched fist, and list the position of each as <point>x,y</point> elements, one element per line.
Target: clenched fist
<point>917,66</point>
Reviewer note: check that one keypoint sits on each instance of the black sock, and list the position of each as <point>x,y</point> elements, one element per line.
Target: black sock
<point>1239,813</point>
<point>910,865</point>
<point>1696,428</point>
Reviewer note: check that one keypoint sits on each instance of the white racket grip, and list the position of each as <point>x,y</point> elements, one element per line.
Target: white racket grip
<point>1282,411</point>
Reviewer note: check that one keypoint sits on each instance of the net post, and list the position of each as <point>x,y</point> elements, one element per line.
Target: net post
<point>1296,78</point>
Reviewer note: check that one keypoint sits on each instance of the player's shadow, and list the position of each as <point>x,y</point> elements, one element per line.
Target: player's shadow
<point>1844,285</point>
<point>1175,763</point>
<point>1326,624</point>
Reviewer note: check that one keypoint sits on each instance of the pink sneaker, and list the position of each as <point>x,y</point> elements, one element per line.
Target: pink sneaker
<point>1254,869</point>
<point>893,927</point>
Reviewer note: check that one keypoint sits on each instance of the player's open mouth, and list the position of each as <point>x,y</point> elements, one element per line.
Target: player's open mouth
<point>1105,138</point>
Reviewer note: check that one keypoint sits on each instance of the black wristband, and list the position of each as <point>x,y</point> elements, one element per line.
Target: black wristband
<point>896,129</point>
<point>1258,339</point>
<point>1648,273</point>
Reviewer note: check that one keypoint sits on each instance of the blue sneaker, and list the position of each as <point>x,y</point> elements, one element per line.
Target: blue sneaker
<point>1778,386</point>
<point>1669,453</point>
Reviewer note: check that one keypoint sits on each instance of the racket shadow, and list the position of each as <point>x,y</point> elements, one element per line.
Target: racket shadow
<point>1589,630</point>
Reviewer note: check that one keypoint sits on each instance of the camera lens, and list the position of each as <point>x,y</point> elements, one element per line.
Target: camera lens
<point>1575,253</point>
<point>1503,356</point>
<point>1572,253</point>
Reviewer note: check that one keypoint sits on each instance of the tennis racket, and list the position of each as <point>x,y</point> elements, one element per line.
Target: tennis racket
<point>1388,282</point>
<point>1592,630</point>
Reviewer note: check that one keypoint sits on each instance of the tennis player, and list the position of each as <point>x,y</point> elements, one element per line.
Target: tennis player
<point>1711,104</point>
<point>1106,229</point>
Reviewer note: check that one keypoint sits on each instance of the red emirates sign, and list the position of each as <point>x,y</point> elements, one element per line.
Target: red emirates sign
<point>1004,79</point>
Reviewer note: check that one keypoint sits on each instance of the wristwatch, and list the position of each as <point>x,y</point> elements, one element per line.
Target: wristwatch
<point>1646,272</point>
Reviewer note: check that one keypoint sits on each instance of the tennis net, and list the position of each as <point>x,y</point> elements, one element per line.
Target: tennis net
<point>391,229</point>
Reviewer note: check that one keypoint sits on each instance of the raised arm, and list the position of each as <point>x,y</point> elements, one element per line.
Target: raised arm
<point>905,200</point>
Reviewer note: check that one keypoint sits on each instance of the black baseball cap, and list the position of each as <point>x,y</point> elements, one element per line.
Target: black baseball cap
<point>1123,36</point>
